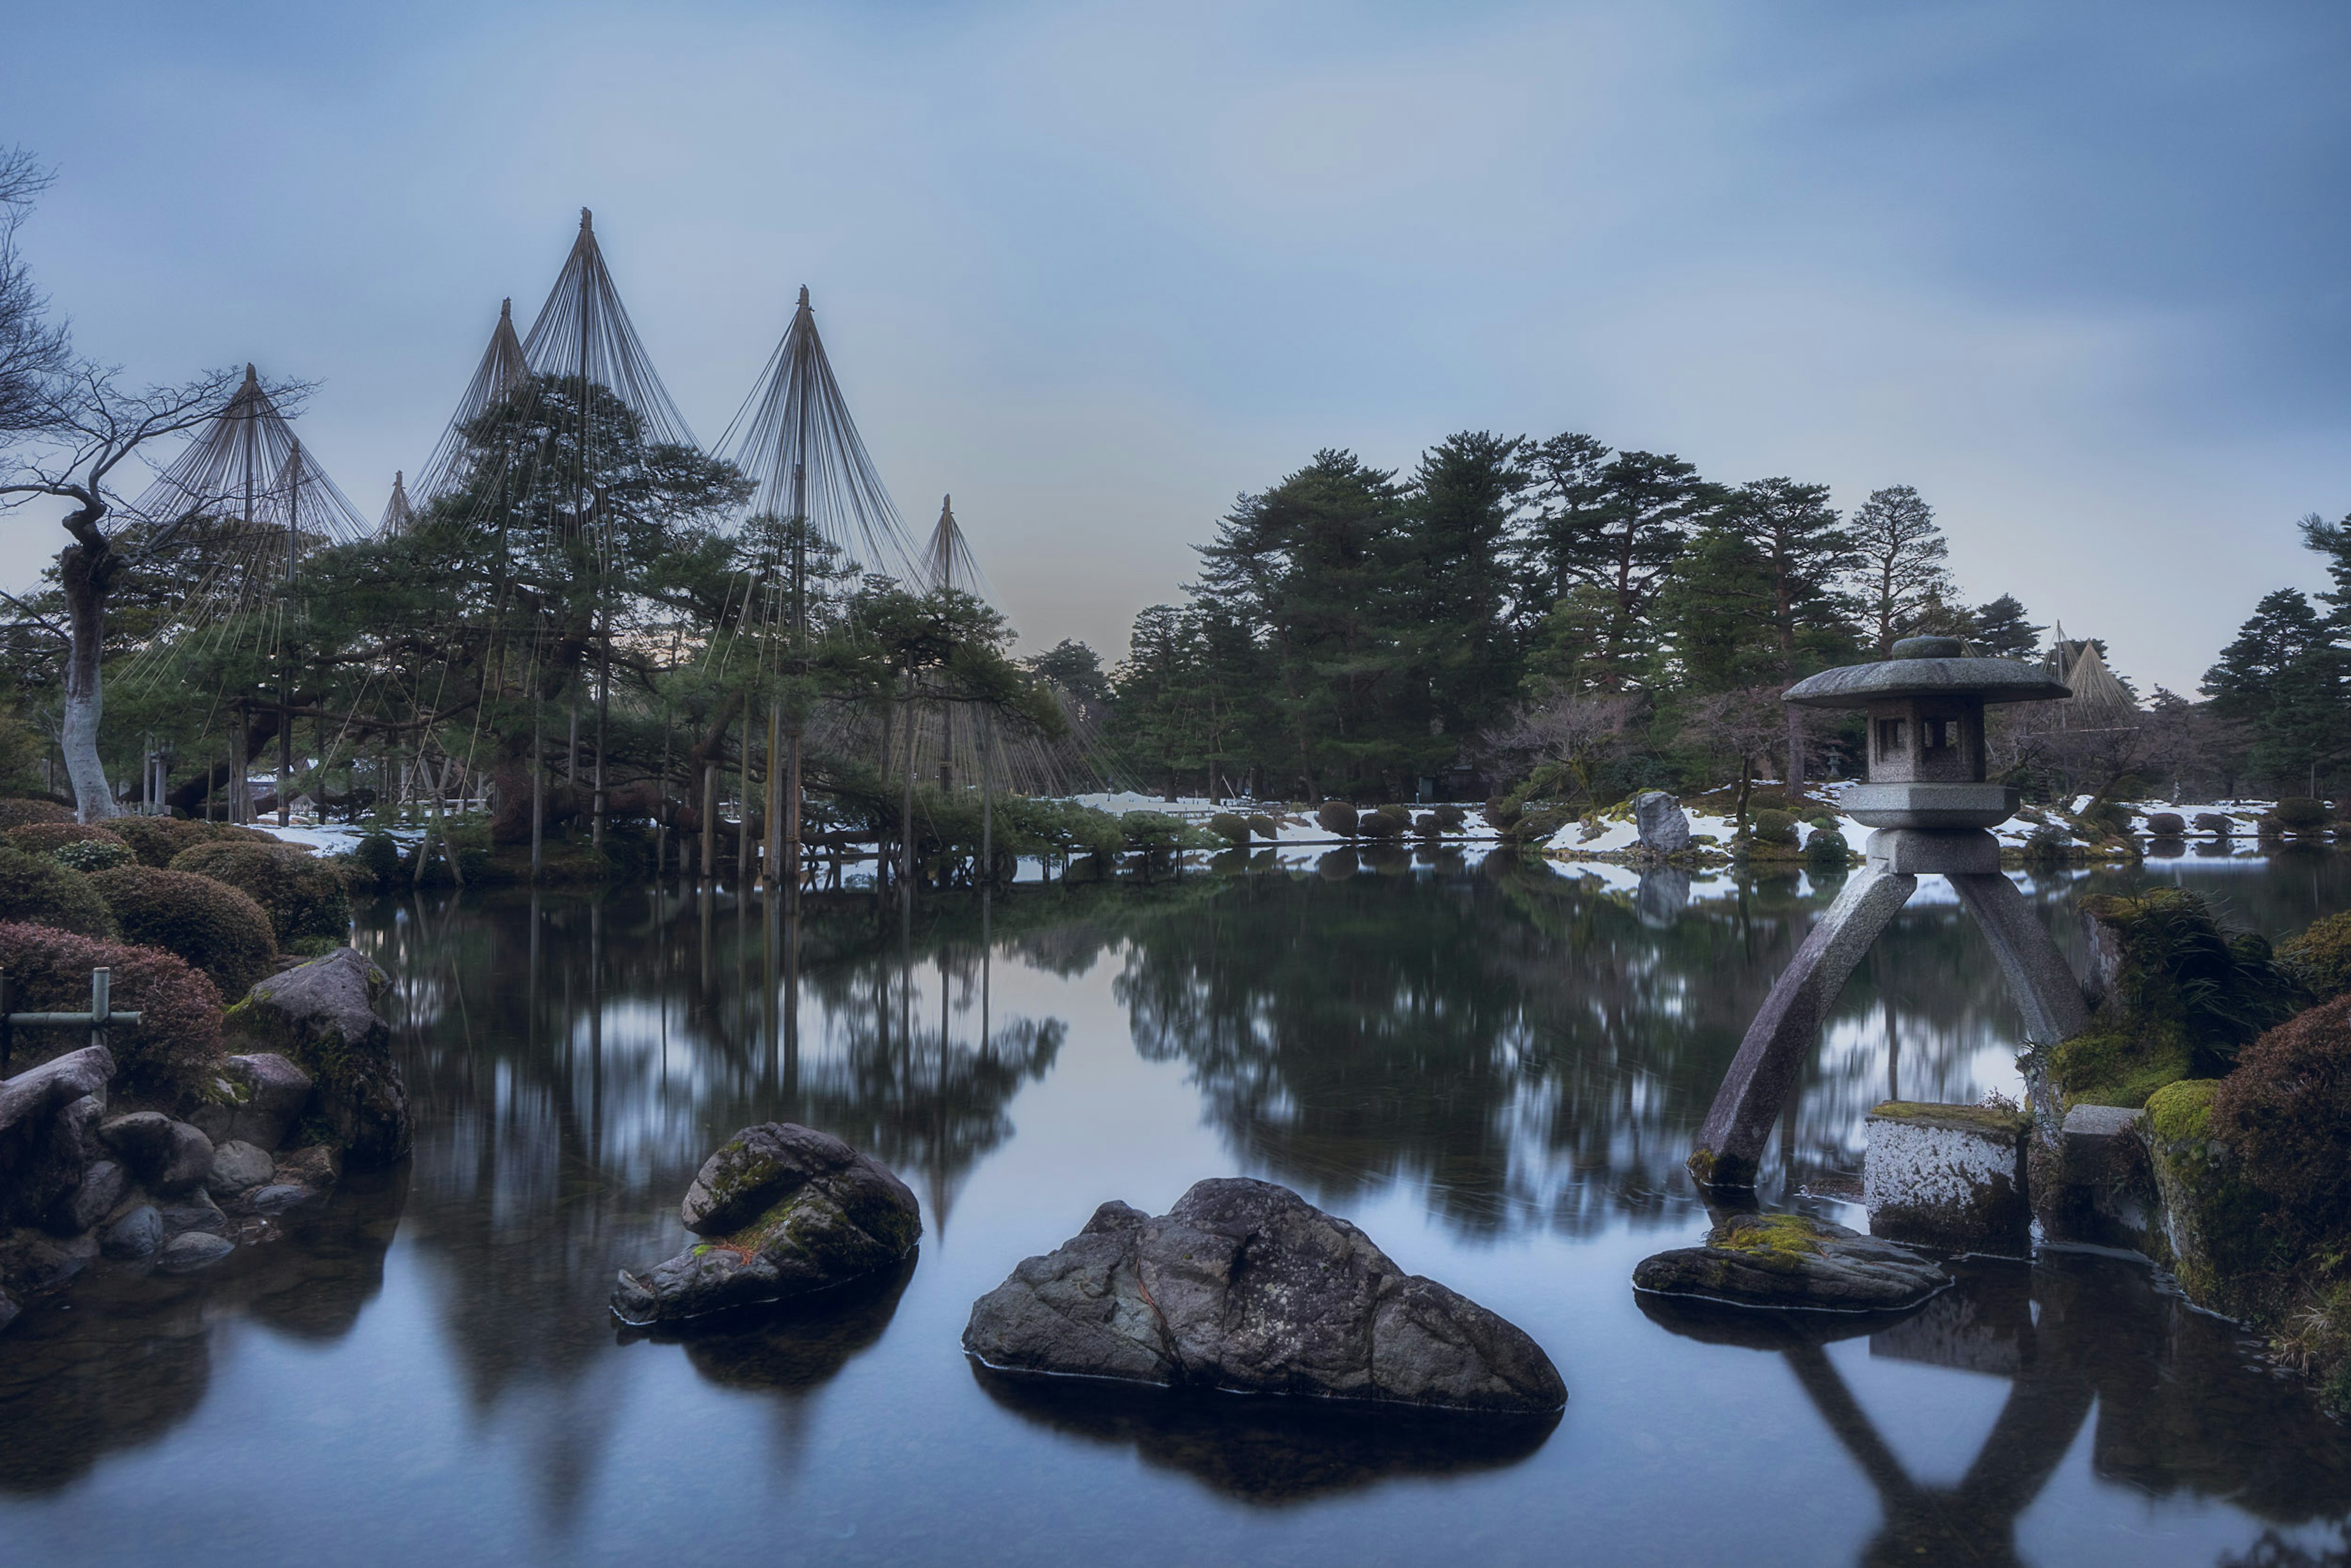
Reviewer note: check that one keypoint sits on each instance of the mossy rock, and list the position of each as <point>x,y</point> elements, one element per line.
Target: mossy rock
<point>783,1211</point>
<point>1792,1261</point>
<point>2213,1232</point>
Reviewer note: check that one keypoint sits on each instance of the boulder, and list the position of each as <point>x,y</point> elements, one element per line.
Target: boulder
<point>32,1263</point>
<point>787,1211</point>
<point>318,1165</point>
<point>1246,1286</point>
<point>46,1113</point>
<point>1661,823</point>
<point>195,1249</point>
<point>282,1198</point>
<point>102,1186</point>
<point>8,1310</point>
<point>238,1167</point>
<point>197,1211</point>
<point>142,1140</point>
<point>136,1235</point>
<point>256,1099</point>
<point>1794,1261</point>
<point>320,1016</point>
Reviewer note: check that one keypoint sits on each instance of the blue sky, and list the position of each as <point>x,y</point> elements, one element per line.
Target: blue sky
<point>2078,273</point>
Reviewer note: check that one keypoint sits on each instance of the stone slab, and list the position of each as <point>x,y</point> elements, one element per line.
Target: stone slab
<point>1923,851</point>
<point>1949,1176</point>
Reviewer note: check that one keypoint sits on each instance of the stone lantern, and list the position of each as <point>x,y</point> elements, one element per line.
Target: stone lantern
<point>1928,800</point>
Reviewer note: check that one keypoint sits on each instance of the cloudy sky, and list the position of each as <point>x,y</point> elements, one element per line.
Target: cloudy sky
<point>2079,273</point>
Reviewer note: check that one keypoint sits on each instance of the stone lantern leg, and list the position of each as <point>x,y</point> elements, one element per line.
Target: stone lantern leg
<point>1928,800</point>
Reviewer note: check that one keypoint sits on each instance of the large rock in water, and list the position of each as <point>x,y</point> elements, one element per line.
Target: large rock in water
<point>1794,1261</point>
<point>786,1211</point>
<point>46,1114</point>
<point>1661,823</point>
<point>321,1017</point>
<point>1244,1285</point>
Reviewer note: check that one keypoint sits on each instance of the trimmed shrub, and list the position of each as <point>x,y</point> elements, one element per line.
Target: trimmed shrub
<point>212,926</point>
<point>1151,832</point>
<point>1379,826</point>
<point>2048,845</point>
<point>1426,825</point>
<point>36,890</point>
<point>2321,956</point>
<point>1501,813</point>
<point>1401,813</point>
<point>1448,818</point>
<point>44,838</point>
<point>87,855</point>
<point>1230,826</point>
<point>178,1036</point>
<point>2215,823</point>
<point>2300,814</point>
<point>18,813</point>
<point>2166,825</point>
<point>307,908</point>
<point>1337,817</point>
<point>1777,828</point>
<point>1827,847</point>
<point>2103,818</point>
<point>376,860</point>
<point>1264,826</point>
<point>160,840</point>
<point>2282,1112</point>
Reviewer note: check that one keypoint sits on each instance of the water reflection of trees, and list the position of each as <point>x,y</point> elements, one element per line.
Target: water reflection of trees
<point>572,1061</point>
<point>1531,1048</point>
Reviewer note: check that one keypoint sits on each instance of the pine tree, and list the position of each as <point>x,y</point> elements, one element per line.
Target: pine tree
<point>1900,576</point>
<point>1615,529</point>
<point>1465,500</point>
<point>2002,631</point>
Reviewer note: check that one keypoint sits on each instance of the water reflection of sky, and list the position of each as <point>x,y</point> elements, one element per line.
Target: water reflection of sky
<point>1495,1069</point>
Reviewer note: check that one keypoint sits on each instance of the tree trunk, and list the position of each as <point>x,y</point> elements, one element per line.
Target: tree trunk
<point>85,582</point>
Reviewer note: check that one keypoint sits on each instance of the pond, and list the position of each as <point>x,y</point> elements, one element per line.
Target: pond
<point>1494,1069</point>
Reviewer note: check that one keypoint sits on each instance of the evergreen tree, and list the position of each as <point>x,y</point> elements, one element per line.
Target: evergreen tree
<point>1466,498</point>
<point>2002,631</point>
<point>1615,529</point>
<point>2283,678</point>
<point>1900,577</point>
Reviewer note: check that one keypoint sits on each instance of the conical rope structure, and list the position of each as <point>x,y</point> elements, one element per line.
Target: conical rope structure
<point>236,515</point>
<point>794,439</point>
<point>502,371</point>
<point>399,514</point>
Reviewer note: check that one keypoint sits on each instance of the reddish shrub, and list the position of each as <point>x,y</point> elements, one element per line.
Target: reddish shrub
<point>2284,1110</point>
<point>178,1036</point>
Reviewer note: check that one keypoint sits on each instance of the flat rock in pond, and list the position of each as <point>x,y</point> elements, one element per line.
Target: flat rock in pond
<point>1794,1260</point>
<point>196,1249</point>
<point>1246,1286</point>
<point>784,1211</point>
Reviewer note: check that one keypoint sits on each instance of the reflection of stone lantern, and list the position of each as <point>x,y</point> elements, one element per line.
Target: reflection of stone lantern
<point>1928,799</point>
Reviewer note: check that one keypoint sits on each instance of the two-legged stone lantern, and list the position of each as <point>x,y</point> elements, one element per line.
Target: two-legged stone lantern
<point>1927,798</point>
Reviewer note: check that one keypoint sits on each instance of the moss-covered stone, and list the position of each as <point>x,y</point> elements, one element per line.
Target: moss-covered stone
<point>2320,957</point>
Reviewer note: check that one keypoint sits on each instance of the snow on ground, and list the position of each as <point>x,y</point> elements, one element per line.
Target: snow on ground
<point>1298,828</point>
<point>333,838</point>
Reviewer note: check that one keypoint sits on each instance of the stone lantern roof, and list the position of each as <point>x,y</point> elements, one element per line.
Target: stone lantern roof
<point>1929,667</point>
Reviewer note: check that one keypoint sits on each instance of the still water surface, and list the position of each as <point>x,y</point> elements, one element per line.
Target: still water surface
<point>1494,1069</point>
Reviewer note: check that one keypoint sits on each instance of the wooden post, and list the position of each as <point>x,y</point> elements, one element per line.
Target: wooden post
<point>773,838</point>
<point>743,811</point>
<point>907,826</point>
<point>986,795</point>
<point>538,783</point>
<point>709,820</point>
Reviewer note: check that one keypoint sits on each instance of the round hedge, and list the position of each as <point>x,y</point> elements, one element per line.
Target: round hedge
<point>40,838</point>
<point>18,813</point>
<point>1773,827</point>
<point>1230,826</point>
<point>36,890</point>
<point>2282,1111</point>
<point>1379,825</point>
<point>2166,825</point>
<point>1337,817</point>
<point>217,927</point>
<point>1264,826</point>
<point>2301,814</point>
<point>301,893</point>
<point>159,840</point>
<point>178,1036</point>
